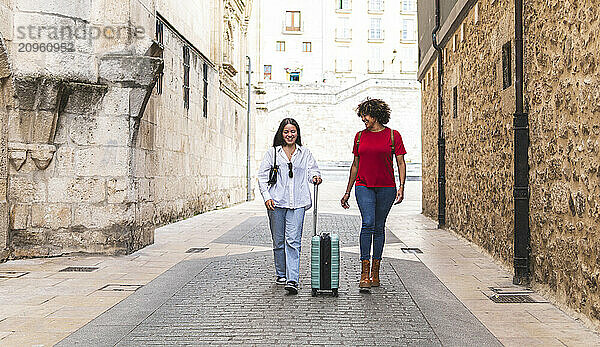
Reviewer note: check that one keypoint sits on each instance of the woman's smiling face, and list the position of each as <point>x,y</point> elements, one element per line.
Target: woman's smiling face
<point>290,134</point>
<point>368,120</point>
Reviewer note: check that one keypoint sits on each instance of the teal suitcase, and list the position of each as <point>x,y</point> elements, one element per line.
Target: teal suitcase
<point>324,259</point>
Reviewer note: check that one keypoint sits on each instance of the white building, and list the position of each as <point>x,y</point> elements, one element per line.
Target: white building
<point>291,40</point>
<point>308,41</point>
<point>316,60</point>
<point>369,38</point>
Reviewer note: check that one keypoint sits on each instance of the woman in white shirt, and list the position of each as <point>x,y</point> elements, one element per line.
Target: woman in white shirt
<point>288,198</point>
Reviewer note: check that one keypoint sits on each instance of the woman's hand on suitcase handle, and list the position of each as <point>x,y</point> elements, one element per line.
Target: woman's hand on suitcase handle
<point>317,180</point>
<point>270,204</point>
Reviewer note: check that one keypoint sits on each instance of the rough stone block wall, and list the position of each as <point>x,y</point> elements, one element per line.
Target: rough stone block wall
<point>76,194</point>
<point>563,90</point>
<point>429,139</point>
<point>561,96</point>
<point>479,136</point>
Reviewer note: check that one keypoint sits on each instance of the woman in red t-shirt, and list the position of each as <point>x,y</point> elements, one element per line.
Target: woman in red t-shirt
<point>373,171</point>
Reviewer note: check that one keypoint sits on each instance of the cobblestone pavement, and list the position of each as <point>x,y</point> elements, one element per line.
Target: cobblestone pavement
<point>255,230</point>
<point>233,301</point>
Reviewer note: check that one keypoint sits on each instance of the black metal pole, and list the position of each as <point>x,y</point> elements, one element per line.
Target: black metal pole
<point>521,166</point>
<point>441,139</point>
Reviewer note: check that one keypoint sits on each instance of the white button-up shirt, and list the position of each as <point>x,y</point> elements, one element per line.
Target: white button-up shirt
<point>288,192</point>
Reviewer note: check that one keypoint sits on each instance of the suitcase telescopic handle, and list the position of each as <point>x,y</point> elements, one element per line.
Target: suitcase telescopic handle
<point>315,210</point>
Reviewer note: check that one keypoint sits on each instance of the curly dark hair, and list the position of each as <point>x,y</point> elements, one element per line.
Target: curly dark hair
<point>375,108</point>
<point>278,139</point>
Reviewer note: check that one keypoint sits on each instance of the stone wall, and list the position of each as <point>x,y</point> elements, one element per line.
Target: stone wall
<point>98,157</point>
<point>560,95</point>
<point>429,138</point>
<point>5,100</point>
<point>187,163</point>
<point>563,90</point>
<point>479,137</point>
<point>69,148</point>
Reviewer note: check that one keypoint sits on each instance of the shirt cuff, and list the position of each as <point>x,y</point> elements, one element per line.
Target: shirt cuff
<point>266,196</point>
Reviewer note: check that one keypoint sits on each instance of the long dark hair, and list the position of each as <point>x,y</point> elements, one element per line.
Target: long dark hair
<point>278,139</point>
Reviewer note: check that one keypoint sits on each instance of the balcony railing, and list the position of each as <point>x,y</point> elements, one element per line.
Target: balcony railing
<point>343,65</point>
<point>376,6</point>
<point>343,34</point>
<point>408,6</point>
<point>376,35</point>
<point>347,9</point>
<point>375,66</point>
<point>410,36</point>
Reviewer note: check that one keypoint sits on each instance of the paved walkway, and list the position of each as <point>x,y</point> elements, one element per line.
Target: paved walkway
<point>225,295</point>
<point>233,300</point>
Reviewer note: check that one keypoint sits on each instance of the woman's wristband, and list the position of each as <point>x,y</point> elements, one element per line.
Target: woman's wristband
<point>347,193</point>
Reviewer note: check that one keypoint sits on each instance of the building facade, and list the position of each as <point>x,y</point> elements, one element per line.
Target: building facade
<point>316,60</point>
<point>479,120</point>
<point>118,116</point>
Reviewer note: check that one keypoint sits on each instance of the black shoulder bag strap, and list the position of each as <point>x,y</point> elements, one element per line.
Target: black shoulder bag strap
<point>274,169</point>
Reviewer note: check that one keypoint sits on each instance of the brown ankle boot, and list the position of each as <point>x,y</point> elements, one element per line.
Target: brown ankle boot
<point>375,273</point>
<point>365,280</point>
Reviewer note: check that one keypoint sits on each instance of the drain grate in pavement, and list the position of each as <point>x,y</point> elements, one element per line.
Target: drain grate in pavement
<point>411,250</point>
<point>121,287</point>
<point>12,274</point>
<point>512,299</point>
<point>197,250</point>
<point>513,295</point>
<point>79,269</point>
<point>511,290</point>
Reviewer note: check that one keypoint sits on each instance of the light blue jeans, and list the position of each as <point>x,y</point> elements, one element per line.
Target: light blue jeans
<point>286,231</point>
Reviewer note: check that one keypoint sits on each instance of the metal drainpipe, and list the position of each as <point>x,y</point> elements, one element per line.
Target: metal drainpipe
<point>522,245</point>
<point>248,180</point>
<point>441,139</point>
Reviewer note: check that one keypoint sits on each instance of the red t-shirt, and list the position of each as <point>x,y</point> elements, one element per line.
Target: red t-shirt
<point>375,166</point>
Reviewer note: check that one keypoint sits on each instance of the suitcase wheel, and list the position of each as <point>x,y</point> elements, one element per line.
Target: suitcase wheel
<point>335,292</point>
<point>314,292</point>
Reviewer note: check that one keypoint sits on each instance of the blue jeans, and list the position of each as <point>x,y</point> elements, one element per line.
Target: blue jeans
<point>286,231</point>
<point>374,204</point>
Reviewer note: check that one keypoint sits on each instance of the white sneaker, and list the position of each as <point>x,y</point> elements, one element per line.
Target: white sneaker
<point>292,287</point>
